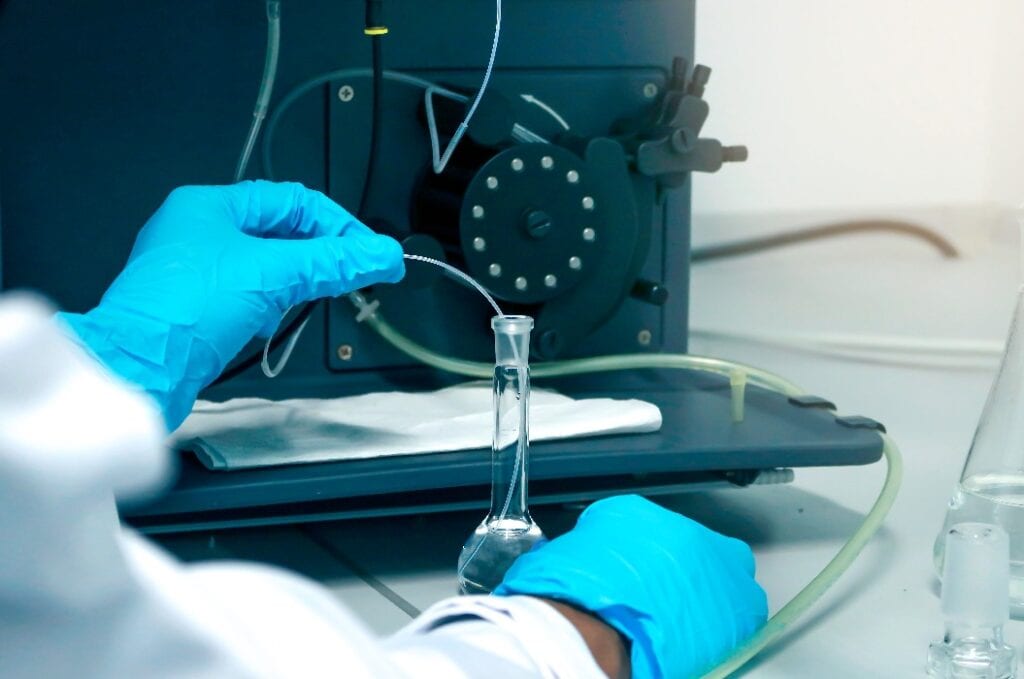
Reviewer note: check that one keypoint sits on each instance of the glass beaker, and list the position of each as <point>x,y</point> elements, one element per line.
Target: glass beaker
<point>508,530</point>
<point>991,488</point>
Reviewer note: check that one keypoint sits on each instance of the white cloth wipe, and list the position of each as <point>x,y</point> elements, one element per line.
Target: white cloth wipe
<point>250,432</point>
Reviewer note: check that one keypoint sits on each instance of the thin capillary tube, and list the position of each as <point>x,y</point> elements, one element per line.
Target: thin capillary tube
<point>462,276</point>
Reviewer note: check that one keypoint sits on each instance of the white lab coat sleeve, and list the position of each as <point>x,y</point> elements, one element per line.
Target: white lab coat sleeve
<point>511,636</point>
<point>82,597</point>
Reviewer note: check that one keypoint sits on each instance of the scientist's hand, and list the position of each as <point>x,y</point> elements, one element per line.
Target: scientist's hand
<point>217,266</point>
<point>683,595</point>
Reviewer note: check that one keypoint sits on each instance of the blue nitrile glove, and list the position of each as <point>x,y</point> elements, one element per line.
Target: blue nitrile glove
<point>217,266</point>
<point>684,595</point>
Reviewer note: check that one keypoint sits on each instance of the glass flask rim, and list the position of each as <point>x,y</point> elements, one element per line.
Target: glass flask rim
<point>512,324</point>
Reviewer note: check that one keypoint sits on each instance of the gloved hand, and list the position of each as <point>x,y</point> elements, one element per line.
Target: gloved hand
<point>216,266</point>
<point>682,594</point>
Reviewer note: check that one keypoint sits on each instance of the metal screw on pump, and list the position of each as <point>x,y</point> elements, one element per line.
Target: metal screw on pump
<point>537,223</point>
<point>346,93</point>
<point>644,337</point>
<point>345,352</point>
<point>650,90</point>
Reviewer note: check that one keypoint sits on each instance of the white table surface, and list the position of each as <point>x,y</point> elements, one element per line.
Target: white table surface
<point>881,616</point>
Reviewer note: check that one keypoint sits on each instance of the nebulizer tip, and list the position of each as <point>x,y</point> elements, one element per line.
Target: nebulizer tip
<point>975,605</point>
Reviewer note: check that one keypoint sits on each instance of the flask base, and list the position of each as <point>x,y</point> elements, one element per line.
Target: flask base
<point>490,551</point>
<point>971,659</point>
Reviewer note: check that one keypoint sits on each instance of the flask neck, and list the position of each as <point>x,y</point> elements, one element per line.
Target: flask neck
<point>510,450</point>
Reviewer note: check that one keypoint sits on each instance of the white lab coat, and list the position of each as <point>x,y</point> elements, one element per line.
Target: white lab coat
<point>81,596</point>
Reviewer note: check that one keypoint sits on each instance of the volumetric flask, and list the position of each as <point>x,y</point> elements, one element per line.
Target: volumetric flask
<point>508,530</point>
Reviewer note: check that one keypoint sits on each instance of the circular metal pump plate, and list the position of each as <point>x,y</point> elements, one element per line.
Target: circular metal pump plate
<point>529,223</point>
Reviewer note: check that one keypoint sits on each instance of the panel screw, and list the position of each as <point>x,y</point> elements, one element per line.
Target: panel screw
<point>479,244</point>
<point>551,280</point>
<point>588,203</point>
<point>589,235</point>
<point>650,90</point>
<point>575,263</point>
<point>537,223</point>
<point>494,270</point>
<point>345,352</point>
<point>492,183</point>
<point>517,164</point>
<point>346,93</point>
<point>572,176</point>
<point>644,337</point>
<point>547,162</point>
<point>478,212</point>
<point>521,283</point>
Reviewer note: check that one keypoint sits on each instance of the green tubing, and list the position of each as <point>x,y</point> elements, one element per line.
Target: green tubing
<point>424,355</point>
<point>580,366</point>
<point>821,583</point>
<point>778,623</point>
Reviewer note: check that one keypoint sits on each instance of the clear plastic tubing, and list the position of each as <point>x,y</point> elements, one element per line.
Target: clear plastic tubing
<point>266,86</point>
<point>459,275</point>
<point>440,160</point>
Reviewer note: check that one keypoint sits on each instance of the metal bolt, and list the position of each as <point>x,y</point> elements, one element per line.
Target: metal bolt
<point>589,235</point>
<point>537,223</point>
<point>520,283</point>
<point>479,244</point>
<point>650,90</point>
<point>346,93</point>
<point>573,176</point>
<point>575,263</point>
<point>492,183</point>
<point>644,337</point>
<point>547,162</point>
<point>478,211</point>
<point>494,270</point>
<point>517,164</point>
<point>551,280</point>
<point>588,203</point>
<point>345,352</point>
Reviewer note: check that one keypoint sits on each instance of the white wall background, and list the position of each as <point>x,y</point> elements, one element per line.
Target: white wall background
<point>847,106</point>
